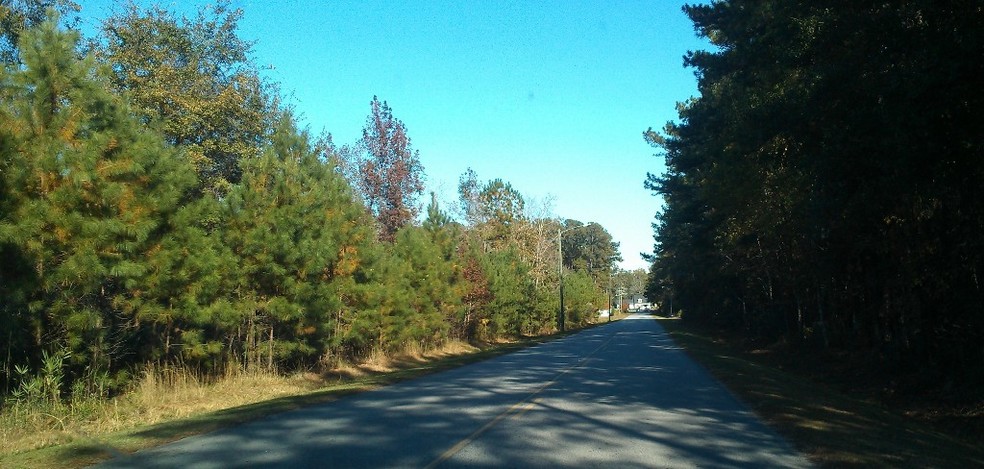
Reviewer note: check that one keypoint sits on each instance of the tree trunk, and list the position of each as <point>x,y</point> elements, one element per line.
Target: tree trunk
<point>270,351</point>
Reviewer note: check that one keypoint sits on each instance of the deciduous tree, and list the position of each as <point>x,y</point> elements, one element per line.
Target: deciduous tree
<point>19,16</point>
<point>390,176</point>
<point>194,80</point>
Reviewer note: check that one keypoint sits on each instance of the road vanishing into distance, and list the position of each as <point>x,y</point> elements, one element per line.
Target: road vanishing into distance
<point>618,395</point>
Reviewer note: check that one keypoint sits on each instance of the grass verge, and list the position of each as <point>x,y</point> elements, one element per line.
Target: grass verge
<point>181,407</point>
<point>832,428</point>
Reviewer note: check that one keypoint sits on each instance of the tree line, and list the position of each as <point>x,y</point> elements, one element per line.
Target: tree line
<point>161,204</point>
<point>825,187</point>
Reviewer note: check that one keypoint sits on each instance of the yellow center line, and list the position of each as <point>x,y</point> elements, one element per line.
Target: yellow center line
<point>518,408</point>
<point>526,408</point>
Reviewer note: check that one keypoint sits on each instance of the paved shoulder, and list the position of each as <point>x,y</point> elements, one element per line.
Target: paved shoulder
<point>618,395</point>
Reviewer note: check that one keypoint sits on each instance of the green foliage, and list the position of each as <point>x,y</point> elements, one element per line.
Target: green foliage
<point>433,278</point>
<point>544,306</point>
<point>115,255</point>
<point>825,187</point>
<point>90,191</point>
<point>298,236</point>
<point>19,16</point>
<point>495,209</point>
<point>589,248</point>
<point>437,220</point>
<point>501,207</point>
<point>510,288</point>
<point>581,299</point>
<point>501,221</point>
<point>194,79</point>
<point>185,310</point>
<point>44,388</point>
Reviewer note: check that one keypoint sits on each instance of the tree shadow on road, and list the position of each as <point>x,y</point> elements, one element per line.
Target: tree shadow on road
<point>620,394</point>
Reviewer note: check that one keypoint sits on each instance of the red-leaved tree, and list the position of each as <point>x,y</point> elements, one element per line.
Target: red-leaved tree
<point>390,175</point>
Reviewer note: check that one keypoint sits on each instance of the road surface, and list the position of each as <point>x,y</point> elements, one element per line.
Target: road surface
<point>618,395</point>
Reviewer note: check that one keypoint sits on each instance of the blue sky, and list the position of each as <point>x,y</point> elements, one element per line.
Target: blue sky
<point>552,97</point>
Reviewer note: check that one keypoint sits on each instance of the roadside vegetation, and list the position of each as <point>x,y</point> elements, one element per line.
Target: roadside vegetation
<point>169,227</point>
<point>837,412</point>
<point>825,199</point>
<point>167,404</point>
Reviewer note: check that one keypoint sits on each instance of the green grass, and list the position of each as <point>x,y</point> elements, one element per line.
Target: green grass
<point>832,428</point>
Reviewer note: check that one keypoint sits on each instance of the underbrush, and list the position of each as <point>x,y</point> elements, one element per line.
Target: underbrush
<point>37,416</point>
<point>925,395</point>
<point>836,410</point>
<point>162,393</point>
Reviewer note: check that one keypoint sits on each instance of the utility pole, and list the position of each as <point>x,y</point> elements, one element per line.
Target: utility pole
<point>610,312</point>
<point>560,271</point>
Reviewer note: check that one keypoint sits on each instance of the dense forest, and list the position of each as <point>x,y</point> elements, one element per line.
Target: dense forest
<point>161,204</point>
<point>826,187</point>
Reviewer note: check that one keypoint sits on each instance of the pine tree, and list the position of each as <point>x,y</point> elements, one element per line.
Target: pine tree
<point>300,238</point>
<point>184,308</point>
<point>431,279</point>
<point>19,16</point>
<point>90,192</point>
<point>826,185</point>
<point>511,292</point>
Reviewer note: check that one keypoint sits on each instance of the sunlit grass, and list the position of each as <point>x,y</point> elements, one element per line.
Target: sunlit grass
<point>159,395</point>
<point>169,403</point>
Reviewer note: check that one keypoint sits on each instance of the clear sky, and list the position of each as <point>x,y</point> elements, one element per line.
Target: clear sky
<point>550,96</point>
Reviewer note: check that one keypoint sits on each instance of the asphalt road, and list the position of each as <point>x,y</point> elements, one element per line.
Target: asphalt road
<point>618,395</point>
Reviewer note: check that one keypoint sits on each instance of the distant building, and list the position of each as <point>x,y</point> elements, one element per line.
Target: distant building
<point>637,302</point>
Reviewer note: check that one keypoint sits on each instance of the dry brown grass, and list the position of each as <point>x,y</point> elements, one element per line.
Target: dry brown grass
<point>380,362</point>
<point>165,394</point>
<point>160,395</point>
<point>174,394</point>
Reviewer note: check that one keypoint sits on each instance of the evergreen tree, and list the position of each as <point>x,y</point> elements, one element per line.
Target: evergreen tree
<point>90,195</point>
<point>510,289</point>
<point>299,237</point>
<point>590,249</point>
<point>185,309</point>
<point>825,186</point>
<point>447,237</point>
<point>19,16</point>
<point>582,298</point>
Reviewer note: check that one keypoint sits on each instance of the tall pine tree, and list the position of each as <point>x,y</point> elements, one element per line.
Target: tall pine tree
<point>300,238</point>
<point>90,194</point>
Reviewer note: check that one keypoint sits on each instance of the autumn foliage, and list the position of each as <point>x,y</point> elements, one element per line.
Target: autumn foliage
<point>159,206</point>
<point>390,176</point>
